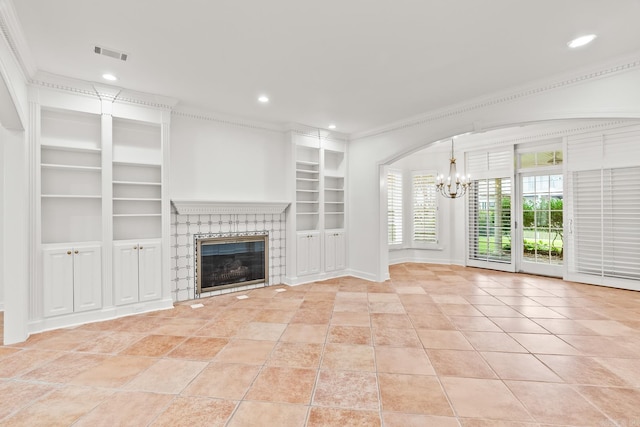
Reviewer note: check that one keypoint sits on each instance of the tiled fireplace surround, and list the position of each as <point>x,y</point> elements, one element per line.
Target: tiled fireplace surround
<point>185,226</point>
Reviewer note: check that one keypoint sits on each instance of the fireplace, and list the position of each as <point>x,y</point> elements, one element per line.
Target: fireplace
<point>230,260</point>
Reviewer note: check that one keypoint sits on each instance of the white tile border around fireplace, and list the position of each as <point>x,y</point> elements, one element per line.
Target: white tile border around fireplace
<point>184,226</point>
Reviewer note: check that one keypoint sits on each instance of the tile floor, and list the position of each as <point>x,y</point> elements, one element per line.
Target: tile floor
<point>435,346</point>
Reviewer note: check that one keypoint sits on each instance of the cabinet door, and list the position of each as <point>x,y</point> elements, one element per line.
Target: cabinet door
<point>87,278</point>
<point>57,278</point>
<point>149,271</point>
<point>334,251</point>
<point>340,250</point>
<point>302,254</point>
<point>125,273</point>
<point>329,251</point>
<point>314,252</point>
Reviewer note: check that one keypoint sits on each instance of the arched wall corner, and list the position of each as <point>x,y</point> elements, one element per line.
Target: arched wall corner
<point>614,97</point>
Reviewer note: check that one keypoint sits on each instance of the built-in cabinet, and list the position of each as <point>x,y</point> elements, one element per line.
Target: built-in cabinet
<point>102,209</point>
<point>136,268</point>
<point>317,218</point>
<point>334,250</point>
<point>308,253</point>
<point>72,279</point>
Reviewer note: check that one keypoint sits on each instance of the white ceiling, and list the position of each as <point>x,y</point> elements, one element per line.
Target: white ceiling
<point>357,63</point>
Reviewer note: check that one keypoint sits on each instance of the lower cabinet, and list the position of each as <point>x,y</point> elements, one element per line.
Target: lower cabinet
<point>137,275</point>
<point>334,250</point>
<point>308,253</point>
<point>72,279</point>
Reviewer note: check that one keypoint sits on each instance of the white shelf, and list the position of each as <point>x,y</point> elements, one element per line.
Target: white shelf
<point>308,179</point>
<point>309,171</point>
<point>137,164</point>
<point>307,202</point>
<point>69,148</point>
<point>334,189</point>
<point>134,215</point>
<point>71,167</point>
<point>307,191</point>
<point>137,183</point>
<point>334,203</point>
<point>137,199</point>
<point>308,213</point>
<point>307,163</point>
<point>70,196</point>
<point>334,213</point>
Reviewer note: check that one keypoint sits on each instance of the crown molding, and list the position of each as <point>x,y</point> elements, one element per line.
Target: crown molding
<point>211,207</point>
<point>537,87</point>
<point>102,91</point>
<point>13,35</point>
<point>225,119</point>
<point>314,132</point>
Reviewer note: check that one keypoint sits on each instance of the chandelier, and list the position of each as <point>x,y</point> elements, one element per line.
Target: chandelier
<point>454,186</point>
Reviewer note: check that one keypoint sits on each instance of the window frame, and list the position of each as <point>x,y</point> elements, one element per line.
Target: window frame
<point>419,244</point>
<point>391,194</point>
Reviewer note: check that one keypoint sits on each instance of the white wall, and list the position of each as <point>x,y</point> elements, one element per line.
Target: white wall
<point>2,192</point>
<point>595,95</point>
<point>226,162</point>
<point>14,220</point>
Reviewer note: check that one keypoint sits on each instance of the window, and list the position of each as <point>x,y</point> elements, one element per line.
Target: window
<point>425,209</point>
<point>394,208</point>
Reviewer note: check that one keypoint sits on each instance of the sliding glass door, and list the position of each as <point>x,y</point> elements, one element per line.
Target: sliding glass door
<point>489,224</point>
<point>540,234</point>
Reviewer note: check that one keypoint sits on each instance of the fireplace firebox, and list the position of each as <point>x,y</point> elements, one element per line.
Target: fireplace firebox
<point>230,260</point>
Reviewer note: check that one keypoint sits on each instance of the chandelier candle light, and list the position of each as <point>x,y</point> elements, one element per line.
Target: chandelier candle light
<point>454,186</point>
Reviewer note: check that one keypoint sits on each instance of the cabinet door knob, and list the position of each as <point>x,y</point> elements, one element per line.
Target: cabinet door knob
<point>68,252</point>
<point>135,247</point>
<point>141,247</point>
<point>75,252</point>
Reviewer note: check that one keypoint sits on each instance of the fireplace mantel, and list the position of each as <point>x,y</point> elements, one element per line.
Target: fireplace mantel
<point>210,207</point>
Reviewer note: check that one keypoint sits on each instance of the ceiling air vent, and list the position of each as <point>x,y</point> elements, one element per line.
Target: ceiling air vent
<point>110,53</point>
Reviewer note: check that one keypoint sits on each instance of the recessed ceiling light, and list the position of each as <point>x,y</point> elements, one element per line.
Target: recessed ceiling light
<point>332,126</point>
<point>264,99</point>
<point>109,77</point>
<point>581,41</point>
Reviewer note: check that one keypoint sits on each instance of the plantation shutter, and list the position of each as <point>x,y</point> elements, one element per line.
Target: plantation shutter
<point>425,208</point>
<point>604,203</point>
<point>489,209</point>
<point>394,207</point>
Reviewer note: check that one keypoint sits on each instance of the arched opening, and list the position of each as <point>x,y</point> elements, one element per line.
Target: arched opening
<point>451,242</point>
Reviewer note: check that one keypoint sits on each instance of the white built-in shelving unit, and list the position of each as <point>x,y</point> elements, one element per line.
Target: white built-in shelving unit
<point>316,248</point>
<point>101,210</point>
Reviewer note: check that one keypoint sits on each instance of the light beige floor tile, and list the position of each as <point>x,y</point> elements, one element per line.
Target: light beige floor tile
<point>251,352</point>
<point>483,398</point>
<point>403,360</point>
<point>196,411</point>
<point>348,357</point>
<point>416,394</point>
<point>126,408</point>
<point>517,366</point>
<point>545,344</point>
<point>581,370</point>
<point>268,414</point>
<point>460,363</point>
<point>284,385</point>
<point>449,340</point>
<point>223,380</point>
<point>548,403</point>
<point>344,389</point>
<point>167,376</point>
<point>493,341</point>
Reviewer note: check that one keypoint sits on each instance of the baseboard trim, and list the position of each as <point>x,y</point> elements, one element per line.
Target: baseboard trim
<point>109,313</point>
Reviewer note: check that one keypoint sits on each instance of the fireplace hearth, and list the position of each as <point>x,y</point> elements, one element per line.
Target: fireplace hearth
<point>230,260</point>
